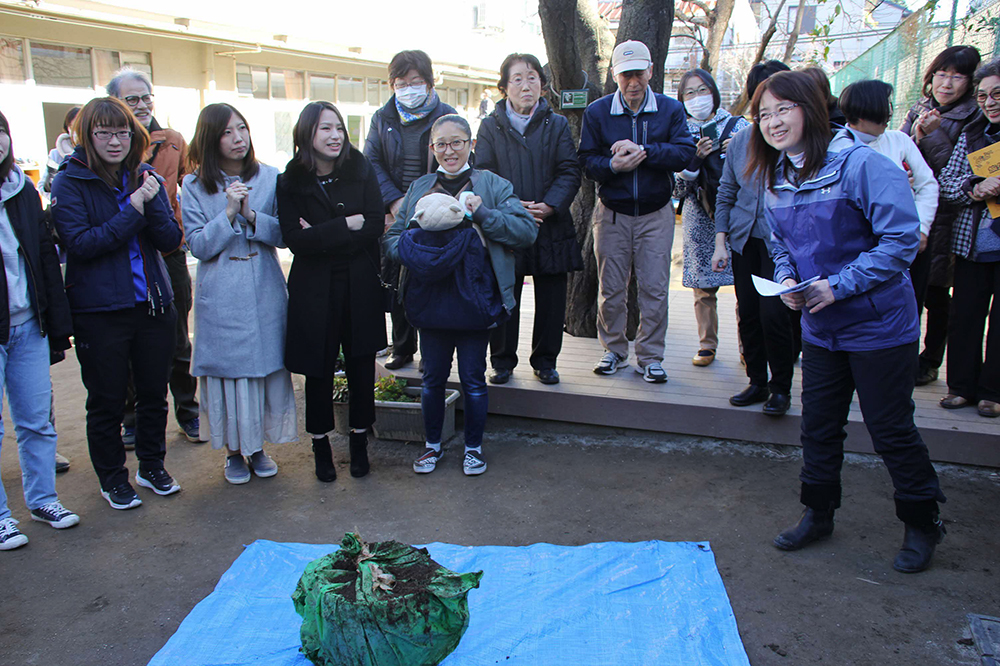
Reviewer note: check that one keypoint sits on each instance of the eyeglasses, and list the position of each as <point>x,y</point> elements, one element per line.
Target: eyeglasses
<point>993,95</point>
<point>699,92</point>
<point>954,78</point>
<point>399,85</point>
<point>781,112</point>
<point>456,145</point>
<point>133,100</point>
<point>104,135</point>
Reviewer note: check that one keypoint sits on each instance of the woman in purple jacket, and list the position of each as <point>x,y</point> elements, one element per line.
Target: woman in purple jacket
<point>842,218</point>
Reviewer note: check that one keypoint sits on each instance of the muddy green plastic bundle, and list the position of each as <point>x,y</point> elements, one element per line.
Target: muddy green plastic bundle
<point>381,604</point>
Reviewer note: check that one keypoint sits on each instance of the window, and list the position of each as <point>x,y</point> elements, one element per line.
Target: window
<point>109,62</point>
<point>67,66</point>
<point>258,75</point>
<point>808,19</point>
<point>374,96</point>
<point>463,98</point>
<point>355,130</point>
<point>321,88</point>
<point>11,60</point>
<point>287,84</point>
<point>244,81</point>
<point>452,97</point>
<point>283,133</point>
<point>350,91</point>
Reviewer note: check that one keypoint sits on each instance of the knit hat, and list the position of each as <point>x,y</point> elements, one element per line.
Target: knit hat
<point>438,211</point>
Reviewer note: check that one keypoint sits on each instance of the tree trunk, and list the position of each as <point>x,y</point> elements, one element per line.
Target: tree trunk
<point>739,107</point>
<point>577,40</point>
<point>794,36</point>
<point>718,23</point>
<point>650,22</point>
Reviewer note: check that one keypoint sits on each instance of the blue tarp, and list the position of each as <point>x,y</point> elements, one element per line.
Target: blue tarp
<point>604,603</point>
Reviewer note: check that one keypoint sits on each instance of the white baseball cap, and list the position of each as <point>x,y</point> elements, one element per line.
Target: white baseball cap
<point>629,56</point>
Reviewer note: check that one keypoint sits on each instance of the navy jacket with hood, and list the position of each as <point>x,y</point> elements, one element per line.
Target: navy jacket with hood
<point>660,127</point>
<point>855,224</point>
<point>96,233</point>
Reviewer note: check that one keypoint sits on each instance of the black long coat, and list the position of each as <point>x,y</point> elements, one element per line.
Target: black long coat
<point>319,248</point>
<point>542,166</point>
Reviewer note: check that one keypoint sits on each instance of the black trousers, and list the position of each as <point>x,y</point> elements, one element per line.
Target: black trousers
<point>547,329</point>
<point>976,298</point>
<point>360,370</point>
<point>937,301</point>
<point>404,335</point>
<point>107,343</point>
<point>884,381</point>
<point>765,323</point>
<point>182,385</point>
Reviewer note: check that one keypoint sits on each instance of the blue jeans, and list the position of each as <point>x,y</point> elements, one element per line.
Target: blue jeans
<point>437,346</point>
<point>24,372</point>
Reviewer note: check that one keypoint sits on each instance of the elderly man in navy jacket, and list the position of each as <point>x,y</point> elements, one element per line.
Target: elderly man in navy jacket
<point>631,143</point>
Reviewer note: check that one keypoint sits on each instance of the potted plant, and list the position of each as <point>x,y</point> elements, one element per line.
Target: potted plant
<point>397,410</point>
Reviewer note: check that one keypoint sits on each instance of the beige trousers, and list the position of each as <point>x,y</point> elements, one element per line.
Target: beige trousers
<point>706,313</point>
<point>622,242</point>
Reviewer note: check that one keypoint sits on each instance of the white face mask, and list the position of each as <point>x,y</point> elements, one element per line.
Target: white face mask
<point>699,107</point>
<point>412,96</point>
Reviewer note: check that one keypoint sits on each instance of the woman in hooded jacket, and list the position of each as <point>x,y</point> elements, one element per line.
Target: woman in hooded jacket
<point>844,224</point>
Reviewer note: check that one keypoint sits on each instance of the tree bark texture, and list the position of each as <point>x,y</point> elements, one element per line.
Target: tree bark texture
<point>794,36</point>
<point>718,23</point>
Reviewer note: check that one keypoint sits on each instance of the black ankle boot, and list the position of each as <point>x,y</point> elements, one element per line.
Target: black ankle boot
<point>812,526</point>
<point>918,547</point>
<point>325,471</point>
<point>359,453</point>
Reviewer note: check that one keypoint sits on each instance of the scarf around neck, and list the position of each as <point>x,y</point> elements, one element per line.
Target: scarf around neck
<point>408,115</point>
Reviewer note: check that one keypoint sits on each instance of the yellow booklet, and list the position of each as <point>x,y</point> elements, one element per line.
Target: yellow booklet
<point>986,163</point>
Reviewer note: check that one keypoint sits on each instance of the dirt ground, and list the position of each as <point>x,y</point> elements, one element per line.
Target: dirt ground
<point>112,590</point>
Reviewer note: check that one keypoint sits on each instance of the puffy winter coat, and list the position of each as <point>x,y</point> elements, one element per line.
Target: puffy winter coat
<point>96,233</point>
<point>855,224</point>
<point>505,224</point>
<point>384,147</point>
<point>542,167</point>
<point>660,128</point>
<point>937,148</point>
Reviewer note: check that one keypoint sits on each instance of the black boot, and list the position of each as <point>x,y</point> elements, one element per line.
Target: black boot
<point>923,532</point>
<point>812,526</point>
<point>918,547</point>
<point>325,471</point>
<point>359,453</point>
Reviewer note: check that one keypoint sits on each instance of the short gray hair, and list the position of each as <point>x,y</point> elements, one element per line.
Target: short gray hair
<point>114,86</point>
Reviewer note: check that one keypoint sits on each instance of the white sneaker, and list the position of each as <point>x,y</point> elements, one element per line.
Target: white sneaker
<point>10,536</point>
<point>473,464</point>
<point>610,363</point>
<point>426,463</point>
<point>653,373</point>
<point>56,515</point>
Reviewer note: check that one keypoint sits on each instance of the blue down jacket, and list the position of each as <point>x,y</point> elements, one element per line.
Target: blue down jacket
<point>451,284</point>
<point>855,224</point>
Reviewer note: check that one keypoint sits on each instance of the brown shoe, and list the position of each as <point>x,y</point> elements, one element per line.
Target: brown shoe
<point>952,401</point>
<point>989,408</point>
<point>704,357</point>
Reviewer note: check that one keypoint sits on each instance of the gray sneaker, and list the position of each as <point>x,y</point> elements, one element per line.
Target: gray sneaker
<point>262,465</point>
<point>237,471</point>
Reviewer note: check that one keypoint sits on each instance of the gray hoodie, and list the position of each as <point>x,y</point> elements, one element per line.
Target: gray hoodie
<point>13,261</point>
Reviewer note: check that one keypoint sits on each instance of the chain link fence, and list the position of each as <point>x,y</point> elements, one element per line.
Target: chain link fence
<point>902,56</point>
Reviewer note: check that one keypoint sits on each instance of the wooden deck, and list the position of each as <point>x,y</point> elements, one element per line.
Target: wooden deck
<point>695,401</point>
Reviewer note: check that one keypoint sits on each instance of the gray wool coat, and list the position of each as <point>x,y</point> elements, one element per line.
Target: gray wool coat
<point>240,296</point>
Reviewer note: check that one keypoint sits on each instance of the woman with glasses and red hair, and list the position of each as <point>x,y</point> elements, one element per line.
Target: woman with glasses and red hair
<point>843,220</point>
<point>114,220</point>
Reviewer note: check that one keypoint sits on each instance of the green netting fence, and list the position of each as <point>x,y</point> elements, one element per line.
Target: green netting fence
<point>902,56</point>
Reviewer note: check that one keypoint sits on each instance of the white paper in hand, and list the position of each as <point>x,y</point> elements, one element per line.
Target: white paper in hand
<point>767,287</point>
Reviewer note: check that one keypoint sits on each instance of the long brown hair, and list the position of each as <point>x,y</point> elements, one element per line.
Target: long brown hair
<point>111,112</point>
<point>203,153</point>
<point>800,89</point>
<point>305,130</point>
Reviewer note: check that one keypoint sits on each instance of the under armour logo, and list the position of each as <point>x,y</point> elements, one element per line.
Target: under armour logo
<point>825,190</point>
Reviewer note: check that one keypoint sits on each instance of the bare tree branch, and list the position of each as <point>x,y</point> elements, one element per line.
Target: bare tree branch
<point>702,6</point>
<point>794,36</point>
